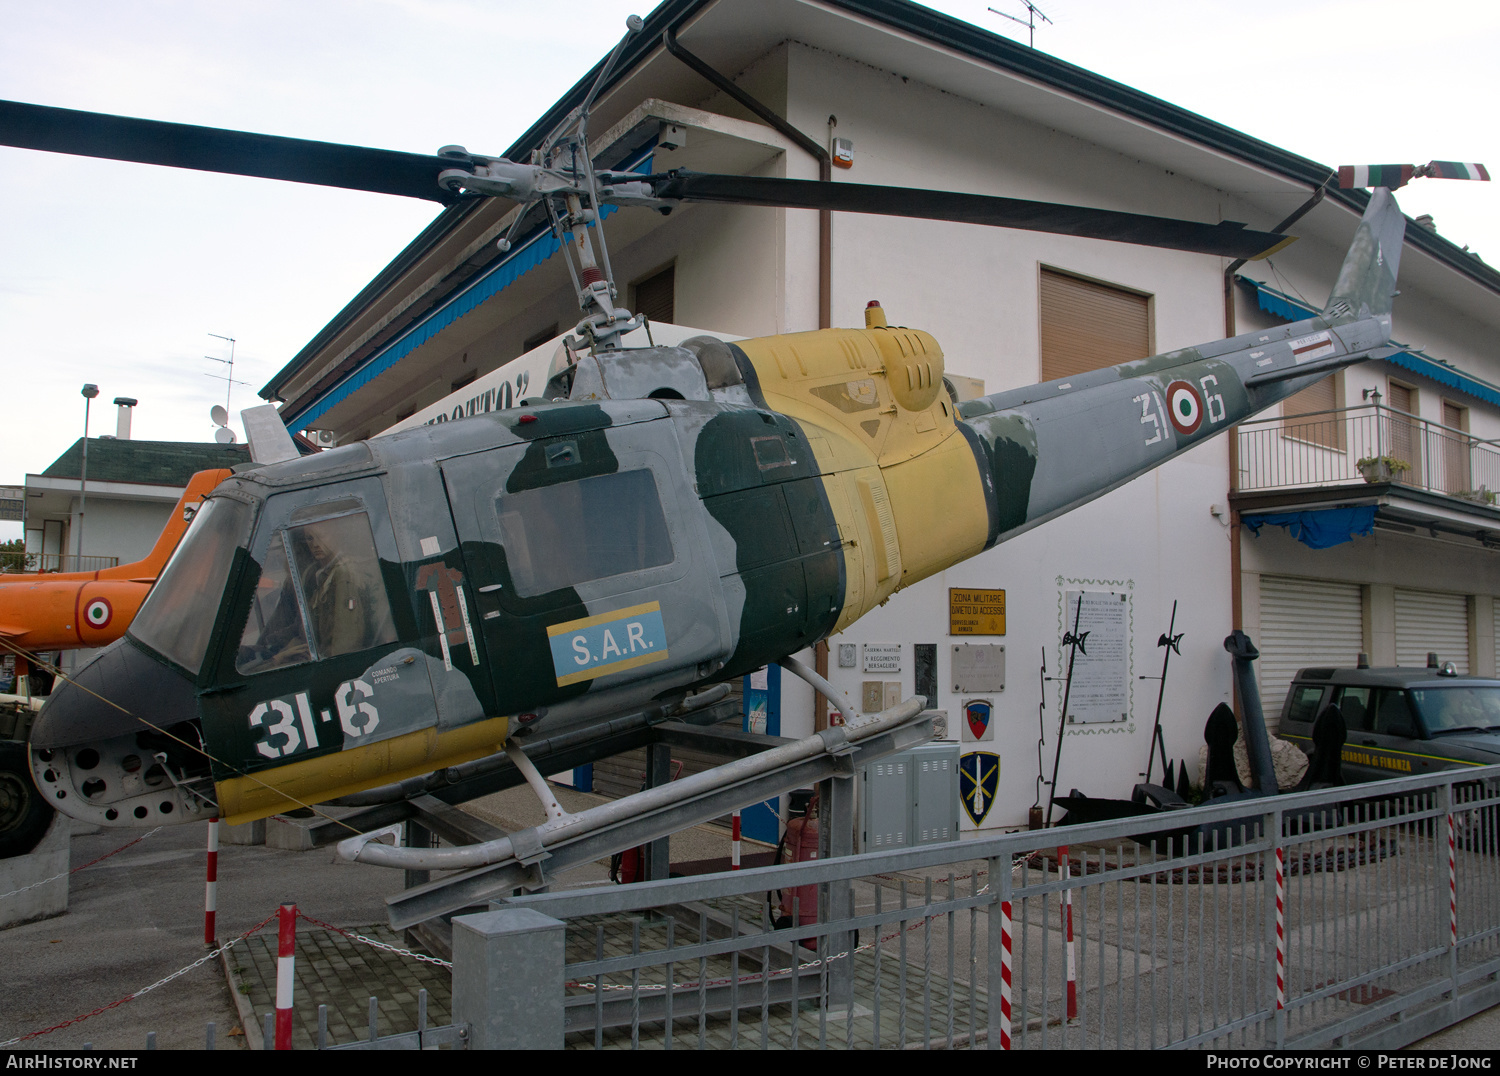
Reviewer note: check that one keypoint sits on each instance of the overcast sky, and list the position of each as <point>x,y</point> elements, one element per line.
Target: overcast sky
<point>118,274</point>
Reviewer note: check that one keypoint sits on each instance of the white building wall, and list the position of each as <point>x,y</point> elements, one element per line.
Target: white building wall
<point>123,529</point>
<point>976,290</point>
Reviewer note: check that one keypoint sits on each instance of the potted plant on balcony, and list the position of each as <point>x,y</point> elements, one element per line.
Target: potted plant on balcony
<point>1381,468</point>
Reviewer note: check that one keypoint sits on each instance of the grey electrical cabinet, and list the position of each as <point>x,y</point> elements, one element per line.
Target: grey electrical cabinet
<point>910,799</point>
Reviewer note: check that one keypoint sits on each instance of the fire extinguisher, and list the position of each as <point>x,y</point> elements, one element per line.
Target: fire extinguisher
<point>625,867</point>
<point>630,865</point>
<point>799,844</point>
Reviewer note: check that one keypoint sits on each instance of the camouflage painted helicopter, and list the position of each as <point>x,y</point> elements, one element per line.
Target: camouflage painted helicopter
<point>657,521</point>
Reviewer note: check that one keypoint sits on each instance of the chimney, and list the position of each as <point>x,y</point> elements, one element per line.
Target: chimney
<point>1426,221</point>
<point>122,422</point>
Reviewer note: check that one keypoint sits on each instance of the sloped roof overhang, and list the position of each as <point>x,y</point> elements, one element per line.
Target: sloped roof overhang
<point>949,54</point>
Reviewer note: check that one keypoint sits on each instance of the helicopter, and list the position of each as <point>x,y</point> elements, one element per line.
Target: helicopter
<point>654,522</point>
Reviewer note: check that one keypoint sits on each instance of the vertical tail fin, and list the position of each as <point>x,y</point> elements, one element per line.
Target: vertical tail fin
<point>1367,281</point>
<point>151,565</point>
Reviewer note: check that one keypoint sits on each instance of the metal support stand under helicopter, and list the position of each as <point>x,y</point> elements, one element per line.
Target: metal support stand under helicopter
<point>491,864</point>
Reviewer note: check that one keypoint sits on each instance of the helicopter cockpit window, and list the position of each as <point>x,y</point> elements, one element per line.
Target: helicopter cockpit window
<point>562,535</point>
<point>275,634</point>
<point>179,614</point>
<point>320,594</point>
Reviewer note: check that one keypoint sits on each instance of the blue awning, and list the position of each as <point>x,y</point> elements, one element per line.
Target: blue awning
<point>1319,529</point>
<point>520,261</point>
<point>1284,306</point>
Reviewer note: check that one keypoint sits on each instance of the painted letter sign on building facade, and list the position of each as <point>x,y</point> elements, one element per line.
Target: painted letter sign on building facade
<point>976,612</point>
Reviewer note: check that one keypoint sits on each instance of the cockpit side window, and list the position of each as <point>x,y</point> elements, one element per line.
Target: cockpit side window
<point>178,615</point>
<point>338,573</point>
<point>276,633</point>
<point>320,595</point>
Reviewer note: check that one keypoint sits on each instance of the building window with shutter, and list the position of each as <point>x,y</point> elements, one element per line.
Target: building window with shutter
<point>1086,325</point>
<point>1309,415</point>
<point>655,295</point>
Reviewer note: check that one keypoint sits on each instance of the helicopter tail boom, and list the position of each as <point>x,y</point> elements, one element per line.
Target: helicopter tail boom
<point>1049,448</point>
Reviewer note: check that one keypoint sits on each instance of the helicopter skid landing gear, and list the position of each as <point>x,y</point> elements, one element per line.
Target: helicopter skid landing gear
<point>495,868</point>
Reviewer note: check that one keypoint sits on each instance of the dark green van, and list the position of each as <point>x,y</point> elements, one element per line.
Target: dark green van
<point>1401,721</point>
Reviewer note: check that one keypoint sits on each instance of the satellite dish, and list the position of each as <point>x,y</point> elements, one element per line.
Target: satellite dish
<point>224,435</point>
<point>220,418</point>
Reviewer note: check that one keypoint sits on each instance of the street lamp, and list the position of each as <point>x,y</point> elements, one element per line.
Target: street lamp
<point>89,392</point>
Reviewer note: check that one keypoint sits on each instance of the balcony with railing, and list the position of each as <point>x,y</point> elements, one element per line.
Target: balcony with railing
<point>53,562</point>
<point>1368,445</point>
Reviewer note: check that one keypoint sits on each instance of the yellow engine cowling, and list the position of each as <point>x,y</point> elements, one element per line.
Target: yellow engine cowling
<point>903,482</point>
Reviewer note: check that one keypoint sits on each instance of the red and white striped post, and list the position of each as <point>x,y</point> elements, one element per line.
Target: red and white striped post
<point>286,960</point>
<point>734,841</point>
<point>211,887</point>
<point>1280,929</point>
<point>1452,887</point>
<point>1067,924</point>
<point>1005,944</point>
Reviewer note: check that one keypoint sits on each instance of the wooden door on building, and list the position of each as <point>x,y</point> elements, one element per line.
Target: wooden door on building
<point>1405,441</point>
<point>1455,449</point>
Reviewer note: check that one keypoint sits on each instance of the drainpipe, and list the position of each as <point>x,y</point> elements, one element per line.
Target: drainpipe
<point>1236,600</point>
<point>825,258</point>
<point>819,153</point>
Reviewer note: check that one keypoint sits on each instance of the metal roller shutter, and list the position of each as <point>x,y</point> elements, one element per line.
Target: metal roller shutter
<point>1427,621</point>
<point>1304,622</point>
<point>1086,325</point>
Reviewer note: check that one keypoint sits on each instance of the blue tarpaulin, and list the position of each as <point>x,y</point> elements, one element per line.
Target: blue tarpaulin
<point>1318,529</point>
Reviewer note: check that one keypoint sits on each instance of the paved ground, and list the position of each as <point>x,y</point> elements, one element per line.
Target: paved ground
<point>137,917</point>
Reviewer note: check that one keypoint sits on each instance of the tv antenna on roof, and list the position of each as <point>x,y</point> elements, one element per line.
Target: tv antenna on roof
<point>228,377</point>
<point>1032,14</point>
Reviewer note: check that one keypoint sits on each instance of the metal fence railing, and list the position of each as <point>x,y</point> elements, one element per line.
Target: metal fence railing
<point>1365,916</point>
<point>1372,443</point>
<point>53,562</point>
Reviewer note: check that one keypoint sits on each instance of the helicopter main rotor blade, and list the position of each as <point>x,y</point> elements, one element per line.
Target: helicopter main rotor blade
<point>1226,239</point>
<point>213,149</point>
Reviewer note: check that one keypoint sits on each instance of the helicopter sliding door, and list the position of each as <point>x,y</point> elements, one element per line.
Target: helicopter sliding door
<point>591,569</point>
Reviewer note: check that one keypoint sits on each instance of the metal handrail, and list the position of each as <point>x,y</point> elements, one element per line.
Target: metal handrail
<point>1364,916</point>
<point>1369,443</point>
<point>54,562</point>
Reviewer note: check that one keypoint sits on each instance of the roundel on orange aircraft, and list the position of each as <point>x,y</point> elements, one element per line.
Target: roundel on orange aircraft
<point>98,613</point>
<point>1184,407</point>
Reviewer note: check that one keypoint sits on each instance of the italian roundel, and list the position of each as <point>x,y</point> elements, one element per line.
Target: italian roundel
<point>1184,407</point>
<point>98,613</point>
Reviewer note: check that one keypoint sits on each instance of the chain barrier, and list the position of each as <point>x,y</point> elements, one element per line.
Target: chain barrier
<point>377,944</point>
<point>75,870</point>
<point>145,990</point>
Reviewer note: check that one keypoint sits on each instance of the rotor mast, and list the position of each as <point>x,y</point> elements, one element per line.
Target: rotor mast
<point>572,206</point>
